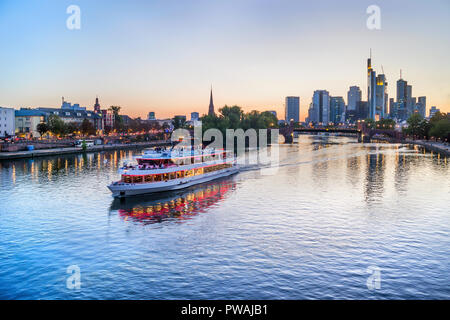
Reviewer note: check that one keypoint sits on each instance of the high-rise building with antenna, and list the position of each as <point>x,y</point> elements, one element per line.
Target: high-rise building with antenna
<point>377,97</point>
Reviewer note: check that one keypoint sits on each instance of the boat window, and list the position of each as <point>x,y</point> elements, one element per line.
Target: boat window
<point>157,177</point>
<point>138,179</point>
<point>198,171</point>
<point>126,179</point>
<point>148,178</point>
<point>173,175</point>
<point>180,174</point>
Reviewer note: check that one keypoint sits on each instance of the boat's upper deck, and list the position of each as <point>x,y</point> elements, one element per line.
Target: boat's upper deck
<point>179,153</point>
<point>162,160</point>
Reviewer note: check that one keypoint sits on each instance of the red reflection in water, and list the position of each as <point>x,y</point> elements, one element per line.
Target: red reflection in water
<point>180,207</point>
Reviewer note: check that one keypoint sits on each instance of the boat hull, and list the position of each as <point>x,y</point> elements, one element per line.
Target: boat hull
<point>133,189</point>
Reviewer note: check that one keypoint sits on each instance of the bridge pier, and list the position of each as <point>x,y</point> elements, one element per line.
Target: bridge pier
<point>289,138</point>
<point>365,139</point>
<point>288,133</point>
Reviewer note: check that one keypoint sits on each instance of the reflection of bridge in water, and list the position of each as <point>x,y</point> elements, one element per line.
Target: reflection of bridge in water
<point>363,133</point>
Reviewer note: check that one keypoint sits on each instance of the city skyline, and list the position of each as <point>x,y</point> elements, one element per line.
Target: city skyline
<point>254,56</point>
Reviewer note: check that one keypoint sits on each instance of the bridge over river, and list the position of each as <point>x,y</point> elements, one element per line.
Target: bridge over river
<point>363,133</point>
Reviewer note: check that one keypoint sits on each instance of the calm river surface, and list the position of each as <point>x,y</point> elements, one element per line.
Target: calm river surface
<point>333,211</point>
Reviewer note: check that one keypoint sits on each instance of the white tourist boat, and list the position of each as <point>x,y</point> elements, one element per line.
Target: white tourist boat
<point>161,169</point>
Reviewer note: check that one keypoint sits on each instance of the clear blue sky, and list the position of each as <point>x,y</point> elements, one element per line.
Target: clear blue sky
<point>163,55</point>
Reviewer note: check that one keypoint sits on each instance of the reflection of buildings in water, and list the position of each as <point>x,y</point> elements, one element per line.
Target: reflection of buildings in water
<point>353,167</point>
<point>179,205</point>
<point>319,172</point>
<point>375,176</point>
<point>402,167</point>
<point>7,174</point>
<point>52,168</point>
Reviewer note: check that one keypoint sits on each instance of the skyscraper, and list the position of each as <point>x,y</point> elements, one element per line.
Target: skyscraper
<point>321,107</point>
<point>362,110</point>
<point>211,105</point>
<point>353,97</point>
<point>402,99</point>
<point>292,109</point>
<point>371,88</point>
<point>422,106</point>
<point>376,92</point>
<point>337,106</point>
<point>381,97</point>
<point>409,101</point>
<point>392,111</point>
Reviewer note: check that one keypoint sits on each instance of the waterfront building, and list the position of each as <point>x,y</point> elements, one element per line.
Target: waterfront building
<point>99,119</point>
<point>211,105</point>
<point>97,108</point>
<point>353,97</point>
<point>71,115</point>
<point>337,109</point>
<point>7,122</point>
<point>27,120</point>
<point>320,113</point>
<point>292,109</point>
<point>105,117</point>
<point>108,118</point>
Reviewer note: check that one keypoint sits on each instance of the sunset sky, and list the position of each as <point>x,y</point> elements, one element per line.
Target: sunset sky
<point>163,56</point>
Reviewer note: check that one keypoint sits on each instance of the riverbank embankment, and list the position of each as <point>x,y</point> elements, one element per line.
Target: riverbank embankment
<point>96,148</point>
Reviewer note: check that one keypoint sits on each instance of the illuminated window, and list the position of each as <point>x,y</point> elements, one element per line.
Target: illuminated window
<point>138,179</point>
<point>180,174</point>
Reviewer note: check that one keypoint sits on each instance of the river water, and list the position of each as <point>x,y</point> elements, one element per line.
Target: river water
<point>336,219</point>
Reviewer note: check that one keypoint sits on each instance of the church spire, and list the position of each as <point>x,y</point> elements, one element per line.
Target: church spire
<point>97,105</point>
<point>211,105</point>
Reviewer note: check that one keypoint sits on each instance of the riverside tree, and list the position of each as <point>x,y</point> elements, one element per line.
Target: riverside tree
<point>56,125</point>
<point>42,128</point>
